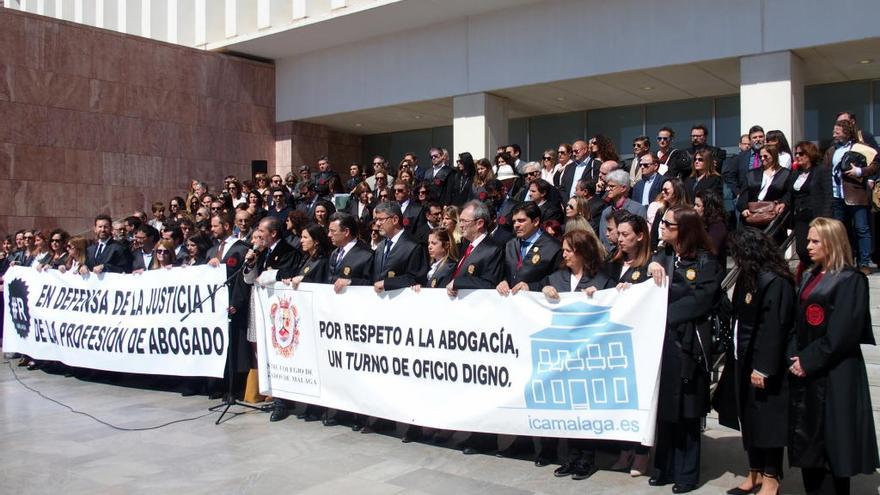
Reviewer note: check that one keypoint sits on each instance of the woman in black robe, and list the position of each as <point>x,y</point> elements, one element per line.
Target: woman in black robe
<point>684,371</point>
<point>763,311</point>
<point>831,427</point>
<point>314,268</point>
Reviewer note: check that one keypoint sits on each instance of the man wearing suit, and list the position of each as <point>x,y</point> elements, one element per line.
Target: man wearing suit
<point>106,255</point>
<point>230,252</point>
<point>530,257</point>
<point>480,266</point>
<point>279,256</point>
<point>308,198</point>
<point>439,178</point>
<point>673,162</point>
<point>145,238</point>
<point>351,263</point>
<point>736,173</point>
<point>616,195</point>
<point>651,183</point>
<point>583,167</point>
<point>411,211</point>
<point>641,147</point>
<point>699,142</point>
<point>399,260</point>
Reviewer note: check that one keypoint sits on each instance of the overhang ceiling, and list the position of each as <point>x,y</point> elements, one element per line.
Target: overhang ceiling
<point>823,64</point>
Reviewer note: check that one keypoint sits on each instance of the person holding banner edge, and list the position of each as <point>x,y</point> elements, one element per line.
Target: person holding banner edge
<point>581,271</point>
<point>684,372</point>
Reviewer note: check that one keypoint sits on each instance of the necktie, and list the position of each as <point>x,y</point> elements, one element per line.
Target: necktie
<point>522,253</point>
<point>756,160</point>
<point>266,260</point>
<point>385,254</point>
<point>99,251</point>
<point>467,252</point>
<point>220,249</point>
<point>337,260</point>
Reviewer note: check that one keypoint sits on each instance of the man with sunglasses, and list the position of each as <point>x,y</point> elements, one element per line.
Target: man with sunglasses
<point>673,162</point>
<point>649,186</point>
<point>439,177</point>
<point>412,218</point>
<point>641,147</point>
<point>617,197</point>
<point>583,167</point>
<point>531,173</point>
<point>700,142</point>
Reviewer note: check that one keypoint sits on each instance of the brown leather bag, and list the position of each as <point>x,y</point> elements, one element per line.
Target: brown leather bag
<point>761,213</point>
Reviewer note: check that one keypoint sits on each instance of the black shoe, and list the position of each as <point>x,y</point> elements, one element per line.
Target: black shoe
<point>33,366</point>
<point>739,491</point>
<point>469,451</point>
<point>356,427</point>
<point>312,417</point>
<point>540,462</point>
<point>658,481</point>
<point>583,471</point>
<point>563,470</point>
<point>330,422</point>
<point>366,430</point>
<point>683,488</point>
<point>278,414</point>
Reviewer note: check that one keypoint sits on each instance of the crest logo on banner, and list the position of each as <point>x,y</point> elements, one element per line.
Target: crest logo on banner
<point>18,307</point>
<point>583,360</point>
<point>285,326</point>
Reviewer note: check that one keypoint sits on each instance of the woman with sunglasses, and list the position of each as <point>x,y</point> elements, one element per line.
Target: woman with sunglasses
<point>771,182</point>
<point>176,208</point>
<point>549,165</point>
<point>672,194</point>
<point>683,392</point>
<point>704,175</point>
<point>163,255</point>
<point>421,194</point>
<point>76,254</point>
<point>58,247</point>
<point>564,159</point>
<point>811,196</point>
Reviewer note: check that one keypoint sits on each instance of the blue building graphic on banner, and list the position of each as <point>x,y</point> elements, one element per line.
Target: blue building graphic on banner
<point>582,361</point>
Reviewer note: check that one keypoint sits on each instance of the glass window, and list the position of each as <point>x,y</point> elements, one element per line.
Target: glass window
<point>517,132</point>
<point>727,126</point>
<point>822,102</point>
<point>621,124</point>
<point>679,116</point>
<point>547,131</point>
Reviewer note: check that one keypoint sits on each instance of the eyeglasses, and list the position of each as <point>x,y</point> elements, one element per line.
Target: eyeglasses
<point>569,207</point>
<point>162,251</point>
<point>799,153</point>
<point>28,237</point>
<point>380,219</point>
<point>765,157</point>
<point>401,190</point>
<point>562,152</point>
<point>646,164</point>
<point>56,240</point>
<point>374,231</point>
<point>278,196</point>
<point>698,159</point>
<point>663,138</point>
<point>276,181</point>
<point>531,174</point>
<point>435,156</point>
<point>693,136</point>
<point>380,177</point>
<point>69,247</point>
<point>423,193</point>
<point>383,196</point>
<point>548,158</point>
<point>667,223</point>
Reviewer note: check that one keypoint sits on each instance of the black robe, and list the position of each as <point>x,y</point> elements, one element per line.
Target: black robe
<point>765,324</point>
<point>684,370</point>
<point>541,259</point>
<point>831,421</point>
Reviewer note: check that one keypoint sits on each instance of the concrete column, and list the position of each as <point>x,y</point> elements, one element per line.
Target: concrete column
<point>772,93</point>
<point>479,124</point>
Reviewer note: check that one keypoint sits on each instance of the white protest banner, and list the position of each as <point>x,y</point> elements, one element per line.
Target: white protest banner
<point>116,322</point>
<point>579,368</point>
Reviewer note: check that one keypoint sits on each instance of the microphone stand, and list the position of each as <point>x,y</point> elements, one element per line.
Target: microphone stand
<point>229,399</point>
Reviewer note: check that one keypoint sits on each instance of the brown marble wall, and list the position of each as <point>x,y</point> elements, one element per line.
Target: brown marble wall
<point>302,143</point>
<point>93,121</point>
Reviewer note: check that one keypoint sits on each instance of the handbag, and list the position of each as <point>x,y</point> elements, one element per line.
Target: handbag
<point>761,213</point>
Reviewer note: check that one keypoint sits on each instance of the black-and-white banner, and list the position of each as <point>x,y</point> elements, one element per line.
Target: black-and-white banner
<point>115,322</point>
<point>580,368</point>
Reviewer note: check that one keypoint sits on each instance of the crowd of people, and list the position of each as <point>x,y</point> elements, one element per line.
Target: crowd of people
<point>579,220</point>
